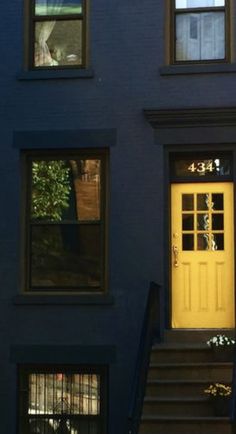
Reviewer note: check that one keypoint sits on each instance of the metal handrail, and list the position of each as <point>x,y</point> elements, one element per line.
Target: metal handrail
<point>152,331</point>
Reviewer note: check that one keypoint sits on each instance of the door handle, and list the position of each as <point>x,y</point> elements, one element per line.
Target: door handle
<point>176,256</point>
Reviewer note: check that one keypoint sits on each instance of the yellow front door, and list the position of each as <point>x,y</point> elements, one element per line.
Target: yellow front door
<point>202,253</point>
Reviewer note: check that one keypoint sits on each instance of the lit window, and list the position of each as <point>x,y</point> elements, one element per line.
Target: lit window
<point>66,221</point>
<point>58,33</point>
<point>62,400</point>
<point>200,30</point>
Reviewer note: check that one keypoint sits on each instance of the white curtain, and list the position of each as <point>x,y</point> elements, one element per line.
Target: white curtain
<point>43,30</point>
<point>200,36</point>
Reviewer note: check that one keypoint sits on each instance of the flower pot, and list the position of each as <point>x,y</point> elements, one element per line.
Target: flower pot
<point>221,405</point>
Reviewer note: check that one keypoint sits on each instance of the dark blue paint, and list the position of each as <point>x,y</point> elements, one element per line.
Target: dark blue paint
<point>127,48</point>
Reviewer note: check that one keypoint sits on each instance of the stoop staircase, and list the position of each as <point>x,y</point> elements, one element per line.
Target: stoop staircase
<point>179,371</point>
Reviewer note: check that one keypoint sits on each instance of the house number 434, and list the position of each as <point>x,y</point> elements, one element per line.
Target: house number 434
<point>201,167</point>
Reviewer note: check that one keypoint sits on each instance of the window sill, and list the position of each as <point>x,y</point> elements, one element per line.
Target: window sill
<point>217,68</point>
<point>63,299</point>
<point>55,74</point>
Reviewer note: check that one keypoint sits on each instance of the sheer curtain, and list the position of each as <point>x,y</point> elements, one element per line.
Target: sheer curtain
<point>200,36</point>
<point>43,30</point>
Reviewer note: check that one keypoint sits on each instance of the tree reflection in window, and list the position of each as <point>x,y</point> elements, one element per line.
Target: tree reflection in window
<point>65,225</point>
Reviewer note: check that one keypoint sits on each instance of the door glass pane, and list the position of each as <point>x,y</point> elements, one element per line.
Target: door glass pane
<point>187,222</point>
<point>218,221</point>
<point>217,241</point>
<point>52,7</point>
<point>187,202</point>
<point>188,241</point>
<point>202,222</point>
<point>203,241</point>
<point>217,201</point>
<point>203,201</point>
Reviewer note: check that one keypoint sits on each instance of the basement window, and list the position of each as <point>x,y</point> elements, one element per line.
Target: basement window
<point>61,399</point>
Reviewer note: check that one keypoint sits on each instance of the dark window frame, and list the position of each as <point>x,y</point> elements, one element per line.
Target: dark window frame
<point>23,396</point>
<point>174,12</point>
<point>32,18</point>
<point>27,158</point>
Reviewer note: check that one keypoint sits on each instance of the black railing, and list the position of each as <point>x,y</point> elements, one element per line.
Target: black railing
<point>152,331</point>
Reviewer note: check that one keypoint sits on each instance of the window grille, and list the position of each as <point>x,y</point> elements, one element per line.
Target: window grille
<point>61,402</point>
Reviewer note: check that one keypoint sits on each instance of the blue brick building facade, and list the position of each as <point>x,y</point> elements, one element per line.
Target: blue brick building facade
<point>101,106</point>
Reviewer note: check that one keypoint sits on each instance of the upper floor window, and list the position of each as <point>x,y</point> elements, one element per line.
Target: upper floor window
<point>57,33</point>
<point>65,216</point>
<point>200,30</point>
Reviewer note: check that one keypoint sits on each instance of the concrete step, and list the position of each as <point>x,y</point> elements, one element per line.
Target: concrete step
<point>194,336</point>
<point>183,353</point>
<point>184,425</point>
<point>179,372</point>
<point>178,406</point>
<point>175,388</point>
<point>191,371</point>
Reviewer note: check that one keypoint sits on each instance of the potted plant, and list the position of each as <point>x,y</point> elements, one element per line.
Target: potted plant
<point>222,346</point>
<point>220,396</point>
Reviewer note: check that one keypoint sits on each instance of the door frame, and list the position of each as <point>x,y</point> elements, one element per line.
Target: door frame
<point>170,153</point>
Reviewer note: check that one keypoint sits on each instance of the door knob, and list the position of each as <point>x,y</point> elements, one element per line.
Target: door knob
<point>176,255</point>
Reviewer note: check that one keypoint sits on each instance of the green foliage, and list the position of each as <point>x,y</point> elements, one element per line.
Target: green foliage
<point>50,189</point>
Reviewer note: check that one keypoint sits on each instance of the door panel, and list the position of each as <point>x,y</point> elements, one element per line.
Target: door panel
<point>202,255</point>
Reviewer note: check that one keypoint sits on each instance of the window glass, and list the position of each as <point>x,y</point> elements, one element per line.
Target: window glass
<point>58,7</point>
<point>59,401</point>
<point>66,224</point>
<point>199,31</point>
<point>61,393</point>
<point>63,46</point>
<point>200,36</point>
<point>206,166</point>
<point>58,36</point>
<point>66,256</point>
<point>184,4</point>
<point>66,190</point>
